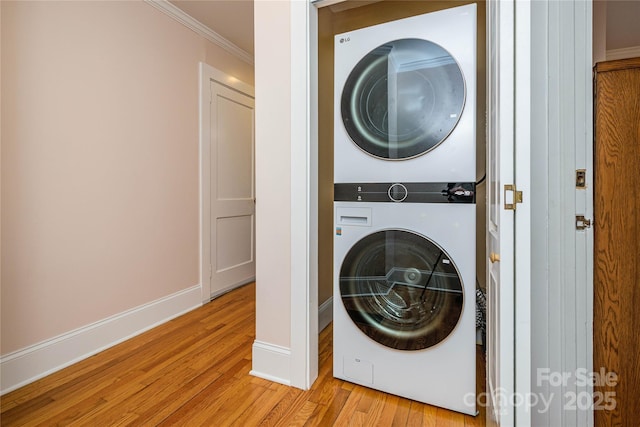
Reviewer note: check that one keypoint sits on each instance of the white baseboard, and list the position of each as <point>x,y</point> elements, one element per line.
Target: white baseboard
<point>230,288</point>
<point>34,362</point>
<point>325,314</point>
<point>271,362</point>
<point>623,53</point>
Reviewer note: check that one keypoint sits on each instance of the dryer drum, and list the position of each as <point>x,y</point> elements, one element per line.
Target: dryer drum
<point>401,289</point>
<point>403,99</point>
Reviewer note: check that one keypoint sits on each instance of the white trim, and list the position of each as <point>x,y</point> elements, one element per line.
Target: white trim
<point>583,122</point>
<point>623,53</point>
<point>542,106</point>
<point>325,3</point>
<point>201,29</point>
<point>501,279</point>
<point>229,81</point>
<point>304,196</point>
<point>204,136</point>
<point>325,313</point>
<point>522,218</point>
<point>271,358</point>
<point>39,360</point>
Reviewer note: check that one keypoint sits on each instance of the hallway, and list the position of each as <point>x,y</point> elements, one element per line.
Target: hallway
<point>194,370</point>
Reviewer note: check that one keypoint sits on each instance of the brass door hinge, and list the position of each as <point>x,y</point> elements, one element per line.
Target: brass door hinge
<point>516,197</point>
<point>582,222</point>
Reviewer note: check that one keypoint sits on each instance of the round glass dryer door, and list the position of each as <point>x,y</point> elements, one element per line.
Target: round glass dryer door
<point>403,99</point>
<point>401,290</point>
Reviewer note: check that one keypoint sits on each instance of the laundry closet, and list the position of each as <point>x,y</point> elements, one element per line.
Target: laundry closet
<point>402,200</point>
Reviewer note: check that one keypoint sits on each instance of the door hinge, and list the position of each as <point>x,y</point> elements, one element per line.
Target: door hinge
<point>210,271</point>
<point>582,222</point>
<point>515,197</point>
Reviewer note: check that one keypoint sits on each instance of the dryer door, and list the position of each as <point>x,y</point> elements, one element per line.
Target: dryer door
<point>401,289</point>
<point>403,99</point>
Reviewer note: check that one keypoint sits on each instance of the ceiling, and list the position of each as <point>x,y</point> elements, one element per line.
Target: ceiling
<point>233,20</point>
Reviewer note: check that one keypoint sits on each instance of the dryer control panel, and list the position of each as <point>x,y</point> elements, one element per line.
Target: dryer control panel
<point>410,192</point>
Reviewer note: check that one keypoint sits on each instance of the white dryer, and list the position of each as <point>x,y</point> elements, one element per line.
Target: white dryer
<point>405,100</point>
<point>404,290</point>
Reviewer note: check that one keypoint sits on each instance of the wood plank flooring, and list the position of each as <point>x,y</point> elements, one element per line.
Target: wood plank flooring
<point>194,371</point>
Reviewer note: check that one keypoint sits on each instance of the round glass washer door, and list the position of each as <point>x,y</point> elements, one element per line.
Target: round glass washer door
<point>403,99</point>
<point>401,289</point>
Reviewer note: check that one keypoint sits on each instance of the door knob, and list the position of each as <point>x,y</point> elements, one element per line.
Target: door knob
<point>494,257</point>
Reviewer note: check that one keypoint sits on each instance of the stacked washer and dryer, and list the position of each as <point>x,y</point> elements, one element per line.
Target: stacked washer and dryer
<point>404,206</point>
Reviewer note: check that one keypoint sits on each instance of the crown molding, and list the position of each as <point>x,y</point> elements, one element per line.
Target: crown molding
<point>188,21</point>
<point>341,5</point>
<point>625,52</point>
<point>325,3</point>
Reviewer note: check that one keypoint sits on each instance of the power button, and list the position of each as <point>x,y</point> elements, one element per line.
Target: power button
<point>397,192</point>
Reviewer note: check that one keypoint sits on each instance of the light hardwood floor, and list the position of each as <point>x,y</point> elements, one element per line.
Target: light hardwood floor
<point>194,371</point>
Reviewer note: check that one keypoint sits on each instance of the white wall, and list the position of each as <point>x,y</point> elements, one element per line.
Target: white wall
<point>273,173</point>
<point>272,348</point>
<point>616,34</point>
<point>599,31</point>
<point>285,349</point>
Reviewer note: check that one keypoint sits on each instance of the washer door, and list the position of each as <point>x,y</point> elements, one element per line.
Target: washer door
<point>403,99</point>
<point>401,289</point>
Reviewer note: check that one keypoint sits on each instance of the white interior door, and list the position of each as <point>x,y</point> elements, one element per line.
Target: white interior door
<point>232,189</point>
<point>500,218</point>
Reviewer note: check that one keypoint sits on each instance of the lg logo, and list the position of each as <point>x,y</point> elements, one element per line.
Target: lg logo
<point>345,39</point>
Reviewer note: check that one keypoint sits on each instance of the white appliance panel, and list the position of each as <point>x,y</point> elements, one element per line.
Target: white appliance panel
<point>443,374</point>
<point>454,159</point>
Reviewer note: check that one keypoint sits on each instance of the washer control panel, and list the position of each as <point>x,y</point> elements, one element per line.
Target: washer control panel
<point>408,192</point>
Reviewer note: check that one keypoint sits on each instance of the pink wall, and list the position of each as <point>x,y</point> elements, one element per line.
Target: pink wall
<point>273,172</point>
<point>99,161</point>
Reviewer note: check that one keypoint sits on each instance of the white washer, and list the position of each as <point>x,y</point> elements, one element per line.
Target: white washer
<point>404,292</point>
<point>405,100</point>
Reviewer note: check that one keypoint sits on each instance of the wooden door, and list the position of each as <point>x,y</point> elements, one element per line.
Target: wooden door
<point>616,323</point>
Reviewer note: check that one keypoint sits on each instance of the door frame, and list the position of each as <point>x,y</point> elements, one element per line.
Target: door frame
<point>522,219</point>
<point>509,56</point>
<point>578,23</point>
<point>207,74</point>
<point>304,194</point>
